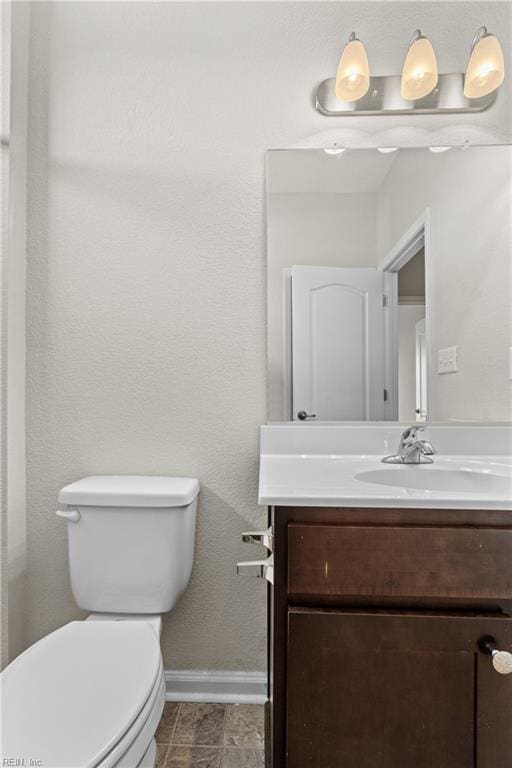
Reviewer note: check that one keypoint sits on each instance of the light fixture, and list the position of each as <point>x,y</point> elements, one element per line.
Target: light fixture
<point>438,150</point>
<point>419,89</point>
<point>419,73</point>
<point>386,150</point>
<point>334,150</point>
<point>486,69</point>
<point>353,75</point>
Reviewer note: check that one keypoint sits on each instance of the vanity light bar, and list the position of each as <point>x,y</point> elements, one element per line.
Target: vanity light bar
<point>419,89</point>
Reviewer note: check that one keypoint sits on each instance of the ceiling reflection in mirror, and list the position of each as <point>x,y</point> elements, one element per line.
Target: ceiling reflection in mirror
<point>389,284</point>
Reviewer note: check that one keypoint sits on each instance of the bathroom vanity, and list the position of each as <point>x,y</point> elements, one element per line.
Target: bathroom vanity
<point>389,600</point>
<point>390,609</point>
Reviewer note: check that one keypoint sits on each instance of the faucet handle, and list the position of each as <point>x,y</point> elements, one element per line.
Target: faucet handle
<point>409,434</point>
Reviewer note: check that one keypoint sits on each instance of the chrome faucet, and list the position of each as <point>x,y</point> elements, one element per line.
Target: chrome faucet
<point>411,450</point>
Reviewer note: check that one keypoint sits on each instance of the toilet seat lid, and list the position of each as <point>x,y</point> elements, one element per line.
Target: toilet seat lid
<point>71,697</point>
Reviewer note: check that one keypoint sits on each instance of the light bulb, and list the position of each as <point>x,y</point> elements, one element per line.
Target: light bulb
<point>334,150</point>
<point>438,150</point>
<point>386,150</point>
<point>353,75</point>
<point>419,73</point>
<point>486,69</point>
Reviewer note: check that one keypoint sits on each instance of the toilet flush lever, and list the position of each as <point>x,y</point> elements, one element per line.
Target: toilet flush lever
<point>72,515</point>
<point>265,538</point>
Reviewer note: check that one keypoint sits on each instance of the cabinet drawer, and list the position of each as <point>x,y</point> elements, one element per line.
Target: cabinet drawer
<point>444,564</point>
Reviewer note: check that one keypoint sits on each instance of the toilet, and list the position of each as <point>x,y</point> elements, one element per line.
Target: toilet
<point>91,693</point>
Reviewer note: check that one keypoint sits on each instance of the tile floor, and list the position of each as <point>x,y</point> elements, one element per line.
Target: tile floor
<point>211,736</point>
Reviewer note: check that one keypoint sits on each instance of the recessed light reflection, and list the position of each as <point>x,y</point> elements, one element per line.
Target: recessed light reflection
<point>386,150</point>
<point>438,150</point>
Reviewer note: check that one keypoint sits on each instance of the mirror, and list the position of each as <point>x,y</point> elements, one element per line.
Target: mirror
<point>388,284</point>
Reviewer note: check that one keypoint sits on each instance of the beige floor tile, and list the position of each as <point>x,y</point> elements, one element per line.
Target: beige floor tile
<point>193,757</point>
<point>161,751</point>
<point>245,725</point>
<point>200,724</point>
<point>167,723</point>
<point>236,757</point>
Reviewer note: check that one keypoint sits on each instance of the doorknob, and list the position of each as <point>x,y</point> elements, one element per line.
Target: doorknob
<point>501,660</point>
<point>302,415</point>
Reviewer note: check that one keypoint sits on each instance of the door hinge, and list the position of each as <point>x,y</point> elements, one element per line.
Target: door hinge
<point>385,395</point>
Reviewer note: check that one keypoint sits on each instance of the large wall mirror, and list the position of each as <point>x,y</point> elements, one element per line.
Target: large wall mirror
<point>389,284</point>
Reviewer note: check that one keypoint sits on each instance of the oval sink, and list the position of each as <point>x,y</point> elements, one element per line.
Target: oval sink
<point>431,479</point>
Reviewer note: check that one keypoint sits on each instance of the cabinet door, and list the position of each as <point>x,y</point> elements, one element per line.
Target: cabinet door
<point>395,690</point>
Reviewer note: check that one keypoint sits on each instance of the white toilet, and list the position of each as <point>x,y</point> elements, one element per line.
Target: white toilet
<point>91,693</point>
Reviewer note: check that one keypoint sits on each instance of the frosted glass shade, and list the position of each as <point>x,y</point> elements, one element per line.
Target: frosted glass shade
<point>486,70</point>
<point>353,75</point>
<point>419,73</point>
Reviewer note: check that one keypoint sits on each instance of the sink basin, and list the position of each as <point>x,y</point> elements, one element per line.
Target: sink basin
<point>427,478</point>
<point>338,465</point>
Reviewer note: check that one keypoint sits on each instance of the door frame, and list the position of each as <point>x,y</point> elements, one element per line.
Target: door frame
<point>418,361</point>
<point>418,234</point>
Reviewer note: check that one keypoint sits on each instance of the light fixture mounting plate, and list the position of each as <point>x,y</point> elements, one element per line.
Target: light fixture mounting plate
<point>383,98</point>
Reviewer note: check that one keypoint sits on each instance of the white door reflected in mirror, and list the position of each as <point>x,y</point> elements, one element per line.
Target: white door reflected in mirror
<point>337,341</point>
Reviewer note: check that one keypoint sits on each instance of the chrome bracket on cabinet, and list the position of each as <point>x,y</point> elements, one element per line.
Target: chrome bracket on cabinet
<point>259,569</point>
<point>265,538</point>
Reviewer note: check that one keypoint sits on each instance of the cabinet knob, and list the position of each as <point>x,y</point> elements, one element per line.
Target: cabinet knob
<point>501,660</point>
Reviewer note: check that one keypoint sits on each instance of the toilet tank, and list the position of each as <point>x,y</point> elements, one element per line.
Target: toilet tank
<point>130,541</point>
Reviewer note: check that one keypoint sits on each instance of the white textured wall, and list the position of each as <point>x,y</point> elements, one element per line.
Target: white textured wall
<point>146,292</point>
<point>469,194</point>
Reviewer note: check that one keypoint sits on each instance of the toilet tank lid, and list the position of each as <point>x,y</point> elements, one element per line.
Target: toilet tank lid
<point>130,491</point>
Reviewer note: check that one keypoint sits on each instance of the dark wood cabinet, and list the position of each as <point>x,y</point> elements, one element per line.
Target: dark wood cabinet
<point>377,639</point>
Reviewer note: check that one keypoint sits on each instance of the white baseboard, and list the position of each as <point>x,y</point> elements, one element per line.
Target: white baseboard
<point>216,686</point>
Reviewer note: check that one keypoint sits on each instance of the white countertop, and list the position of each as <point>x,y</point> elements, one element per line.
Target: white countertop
<point>340,465</point>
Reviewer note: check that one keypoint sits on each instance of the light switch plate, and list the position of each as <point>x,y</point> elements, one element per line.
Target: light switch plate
<point>447,360</point>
